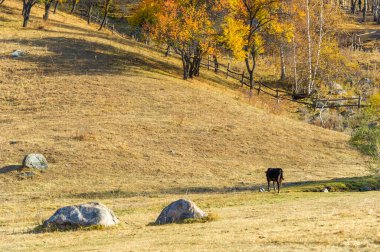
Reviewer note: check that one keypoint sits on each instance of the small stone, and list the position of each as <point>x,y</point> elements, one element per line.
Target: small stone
<point>365,189</point>
<point>36,161</point>
<point>372,124</point>
<point>178,211</point>
<point>325,190</point>
<point>17,53</point>
<point>261,189</point>
<point>26,175</point>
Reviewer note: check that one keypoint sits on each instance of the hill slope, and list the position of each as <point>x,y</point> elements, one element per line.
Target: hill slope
<point>117,124</point>
<point>108,111</point>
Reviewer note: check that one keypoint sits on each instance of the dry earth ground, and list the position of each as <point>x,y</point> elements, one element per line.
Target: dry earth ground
<point>117,124</point>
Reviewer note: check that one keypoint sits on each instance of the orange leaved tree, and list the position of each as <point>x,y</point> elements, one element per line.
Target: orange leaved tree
<point>144,18</point>
<point>185,26</point>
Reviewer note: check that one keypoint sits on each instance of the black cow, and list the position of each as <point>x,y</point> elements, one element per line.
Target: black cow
<point>275,175</point>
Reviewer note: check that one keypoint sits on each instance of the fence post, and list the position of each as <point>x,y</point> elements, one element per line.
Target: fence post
<point>228,69</point>
<point>208,63</point>
<point>242,78</point>
<point>277,95</point>
<point>359,101</point>
<point>258,91</point>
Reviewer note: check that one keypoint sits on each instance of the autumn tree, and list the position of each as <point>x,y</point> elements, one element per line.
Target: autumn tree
<point>244,28</point>
<point>144,17</point>
<point>186,27</point>
<point>89,5</point>
<point>317,59</point>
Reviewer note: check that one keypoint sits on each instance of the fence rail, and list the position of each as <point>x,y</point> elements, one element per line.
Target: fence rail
<point>280,94</point>
<point>242,78</point>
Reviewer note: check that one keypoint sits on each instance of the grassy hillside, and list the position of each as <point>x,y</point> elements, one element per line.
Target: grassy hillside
<point>117,124</point>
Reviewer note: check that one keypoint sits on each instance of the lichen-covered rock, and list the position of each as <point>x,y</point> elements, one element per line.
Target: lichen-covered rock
<point>84,215</point>
<point>180,210</point>
<point>336,89</point>
<point>17,53</point>
<point>36,161</point>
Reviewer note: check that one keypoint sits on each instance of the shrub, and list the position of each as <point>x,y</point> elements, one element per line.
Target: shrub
<point>367,140</point>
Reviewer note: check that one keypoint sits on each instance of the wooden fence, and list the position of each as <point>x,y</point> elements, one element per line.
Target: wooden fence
<point>260,87</point>
<point>281,94</point>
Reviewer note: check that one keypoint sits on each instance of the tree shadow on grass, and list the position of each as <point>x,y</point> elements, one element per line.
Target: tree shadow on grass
<point>72,56</point>
<point>8,10</point>
<point>352,184</point>
<point>178,190</point>
<point>10,168</point>
<point>4,20</point>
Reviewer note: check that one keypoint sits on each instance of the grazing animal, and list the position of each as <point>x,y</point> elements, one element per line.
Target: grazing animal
<point>275,175</point>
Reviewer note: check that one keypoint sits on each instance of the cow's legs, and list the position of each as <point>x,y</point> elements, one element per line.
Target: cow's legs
<point>268,185</point>
<point>278,186</point>
<point>274,187</point>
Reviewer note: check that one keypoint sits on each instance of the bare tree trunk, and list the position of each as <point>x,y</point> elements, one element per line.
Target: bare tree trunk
<point>321,20</point>
<point>216,63</point>
<point>74,4</point>
<point>104,20</point>
<point>106,7</point>
<point>167,53</point>
<point>56,6</point>
<point>47,9</point>
<point>186,65</point>
<point>295,89</point>
<point>353,6</point>
<point>309,53</point>
<point>365,10</point>
<point>251,68</point>
<point>283,66</point>
<point>23,7</point>
<point>89,13</point>
<point>26,12</point>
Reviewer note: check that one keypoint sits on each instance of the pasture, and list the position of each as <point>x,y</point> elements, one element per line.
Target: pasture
<point>118,125</point>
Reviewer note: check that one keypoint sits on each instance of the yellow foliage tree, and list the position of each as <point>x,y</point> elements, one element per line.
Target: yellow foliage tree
<point>185,26</point>
<point>245,28</point>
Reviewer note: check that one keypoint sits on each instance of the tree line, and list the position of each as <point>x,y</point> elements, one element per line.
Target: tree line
<point>303,35</point>
<point>102,6</point>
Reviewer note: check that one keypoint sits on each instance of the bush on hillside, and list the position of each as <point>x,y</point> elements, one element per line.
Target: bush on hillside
<point>367,140</point>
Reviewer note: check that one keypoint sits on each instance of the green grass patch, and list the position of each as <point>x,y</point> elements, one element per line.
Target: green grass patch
<point>210,217</point>
<point>65,228</point>
<point>358,184</point>
<point>367,140</point>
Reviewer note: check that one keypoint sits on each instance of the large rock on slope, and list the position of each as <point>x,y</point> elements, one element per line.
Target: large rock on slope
<point>337,89</point>
<point>83,215</point>
<point>180,210</point>
<point>36,161</point>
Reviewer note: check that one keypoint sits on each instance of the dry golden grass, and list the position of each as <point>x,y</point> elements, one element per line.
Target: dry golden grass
<point>117,124</point>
